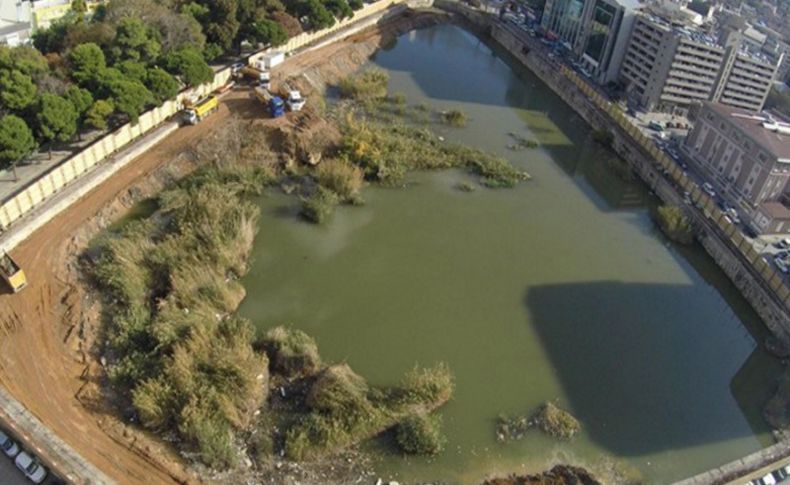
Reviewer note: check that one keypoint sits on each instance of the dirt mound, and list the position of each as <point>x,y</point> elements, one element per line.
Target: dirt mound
<point>559,475</point>
<point>304,137</point>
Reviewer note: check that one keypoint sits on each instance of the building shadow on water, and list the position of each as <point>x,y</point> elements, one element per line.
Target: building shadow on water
<point>647,367</point>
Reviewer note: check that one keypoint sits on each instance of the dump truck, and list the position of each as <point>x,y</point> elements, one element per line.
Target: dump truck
<point>11,273</point>
<point>295,100</point>
<point>275,104</point>
<point>195,113</point>
<point>256,73</point>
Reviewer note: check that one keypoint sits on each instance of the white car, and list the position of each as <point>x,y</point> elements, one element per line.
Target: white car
<point>708,188</point>
<point>8,446</point>
<point>32,469</point>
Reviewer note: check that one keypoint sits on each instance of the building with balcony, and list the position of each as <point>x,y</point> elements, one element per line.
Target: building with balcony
<point>15,27</point>
<point>595,31</point>
<point>746,156</point>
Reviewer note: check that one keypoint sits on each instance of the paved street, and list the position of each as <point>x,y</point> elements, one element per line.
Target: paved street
<point>9,475</point>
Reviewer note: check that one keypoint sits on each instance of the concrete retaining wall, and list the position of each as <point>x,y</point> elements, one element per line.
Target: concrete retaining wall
<point>48,447</point>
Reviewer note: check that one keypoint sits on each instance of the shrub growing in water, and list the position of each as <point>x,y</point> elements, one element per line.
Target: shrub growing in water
<point>320,206</point>
<point>369,85</point>
<point>420,435</point>
<point>675,224</point>
<point>342,178</point>
<point>556,422</point>
<point>454,117</point>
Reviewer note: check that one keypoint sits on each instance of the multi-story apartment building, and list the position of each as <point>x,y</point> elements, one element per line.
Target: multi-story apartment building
<point>46,12</point>
<point>668,67</point>
<point>15,27</point>
<point>595,31</point>
<point>746,156</point>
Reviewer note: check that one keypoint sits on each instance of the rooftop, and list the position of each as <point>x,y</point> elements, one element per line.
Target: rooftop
<point>751,124</point>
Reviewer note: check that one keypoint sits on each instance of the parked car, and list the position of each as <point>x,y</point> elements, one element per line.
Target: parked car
<point>8,446</point>
<point>733,215</point>
<point>656,126</point>
<point>784,269</point>
<point>782,243</point>
<point>748,231</point>
<point>708,188</point>
<point>781,254</point>
<point>32,469</point>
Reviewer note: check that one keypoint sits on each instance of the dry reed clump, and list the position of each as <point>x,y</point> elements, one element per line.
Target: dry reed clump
<point>291,351</point>
<point>184,363</point>
<point>342,178</point>
<point>420,435</point>
<point>455,118</point>
<point>344,410</point>
<point>369,85</point>
<point>387,151</point>
<point>319,206</point>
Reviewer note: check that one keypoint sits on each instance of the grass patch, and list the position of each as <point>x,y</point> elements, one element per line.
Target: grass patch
<point>675,224</point>
<point>342,178</point>
<point>465,187</point>
<point>521,143</point>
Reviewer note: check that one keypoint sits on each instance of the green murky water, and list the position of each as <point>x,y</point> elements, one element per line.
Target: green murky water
<point>558,289</point>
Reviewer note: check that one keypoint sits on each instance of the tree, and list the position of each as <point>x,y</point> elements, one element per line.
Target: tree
<point>16,141</point>
<point>288,22</point>
<point>161,84</point>
<point>82,100</point>
<point>24,59</point>
<point>132,69</point>
<point>135,41</point>
<point>130,98</point>
<point>57,119</point>
<point>219,19</point>
<point>269,32</point>
<point>97,115</point>
<point>339,8</point>
<point>318,16</point>
<point>80,8</point>
<point>87,63</point>
<point>355,4</point>
<point>17,90</point>
<point>190,66</point>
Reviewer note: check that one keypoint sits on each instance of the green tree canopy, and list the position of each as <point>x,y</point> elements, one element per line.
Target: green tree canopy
<point>219,19</point>
<point>161,84</point>
<point>132,69</point>
<point>16,140</point>
<point>130,98</point>
<point>24,59</point>
<point>87,63</point>
<point>97,115</point>
<point>56,117</point>
<point>136,41</point>
<point>316,13</point>
<point>189,65</point>
<point>339,8</point>
<point>269,32</point>
<point>17,90</point>
<point>80,98</point>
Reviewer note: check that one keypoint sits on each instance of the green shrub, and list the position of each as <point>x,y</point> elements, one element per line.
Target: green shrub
<point>338,390</point>
<point>556,422</point>
<point>427,384</point>
<point>342,178</point>
<point>420,435</point>
<point>291,352</point>
<point>454,117</point>
<point>369,85</point>
<point>320,206</point>
<point>604,137</point>
<point>675,224</point>
<point>465,187</point>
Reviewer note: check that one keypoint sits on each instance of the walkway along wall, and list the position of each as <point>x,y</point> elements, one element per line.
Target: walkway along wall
<point>24,201</point>
<point>760,284</point>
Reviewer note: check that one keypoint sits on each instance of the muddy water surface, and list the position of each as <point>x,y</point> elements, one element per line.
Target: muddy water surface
<point>558,289</point>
